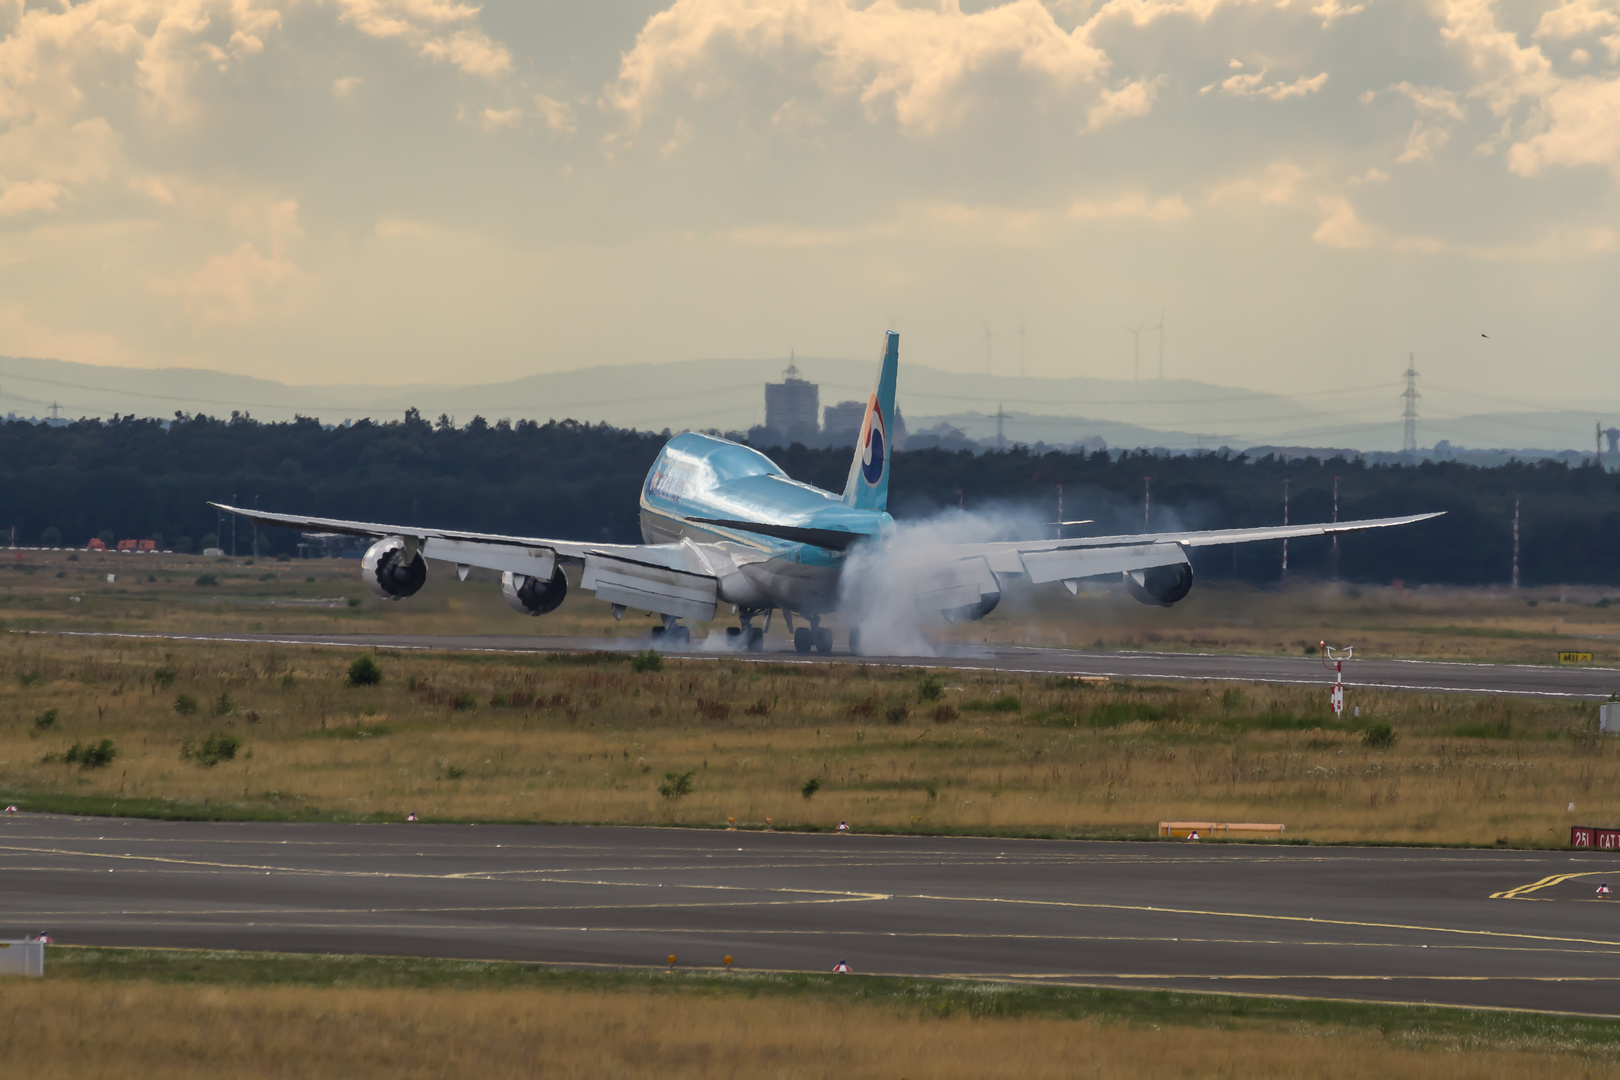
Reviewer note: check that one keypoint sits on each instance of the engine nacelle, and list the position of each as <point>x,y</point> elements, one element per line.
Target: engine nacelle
<point>533,596</point>
<point>387,571</point>
<point>1160,586</point>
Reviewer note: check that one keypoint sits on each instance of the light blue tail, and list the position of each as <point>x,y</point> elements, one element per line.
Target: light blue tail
<point>868,484</point>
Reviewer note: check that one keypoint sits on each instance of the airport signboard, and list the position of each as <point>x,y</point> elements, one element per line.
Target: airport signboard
<point>1574,658</point>
<point>1589,836</point>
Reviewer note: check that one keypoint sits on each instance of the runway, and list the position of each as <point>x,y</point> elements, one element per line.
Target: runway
<point>1485,928</point>
<point>1578,681</point>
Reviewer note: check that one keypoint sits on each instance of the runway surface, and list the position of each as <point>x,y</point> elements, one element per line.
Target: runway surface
<point>1580,681</point>
<point>1490,928</point>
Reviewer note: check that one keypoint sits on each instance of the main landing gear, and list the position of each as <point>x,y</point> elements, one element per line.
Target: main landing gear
<point>748,636</point>
<point>672,635</point>
<point>815,636</point>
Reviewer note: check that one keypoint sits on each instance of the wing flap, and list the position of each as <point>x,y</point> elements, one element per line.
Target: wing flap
<point>537,562</point>
<point>1067,564</point>
<point>651,582</point>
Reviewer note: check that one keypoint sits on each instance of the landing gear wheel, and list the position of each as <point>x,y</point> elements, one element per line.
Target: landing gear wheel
<point>823,639</point>
<point>803,639</point>
<point>855,642</point>
<point>680,637</point>
<point>733,636</point>
<point>756,639</point>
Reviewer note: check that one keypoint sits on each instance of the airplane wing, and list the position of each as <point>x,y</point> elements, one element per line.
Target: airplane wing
<point>1099,556</point>
<point>670,579</point>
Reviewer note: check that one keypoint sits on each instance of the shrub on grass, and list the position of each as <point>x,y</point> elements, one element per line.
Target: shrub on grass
<point>206,580</point>
<point>364,672</point>
<point>897,713</point>
<point>224,705</point>
<point>218,746</point>
<point>647,661</point>
<point>675,785</point>
<point>45,720</point>
<point>811,786</point>
<point>930,689</point>
<point>92,755</point>
<point>944,714</point>
<point>163,677</point>
<point>464,701</point>
<point>1378,737</point>
<point>185,704</point>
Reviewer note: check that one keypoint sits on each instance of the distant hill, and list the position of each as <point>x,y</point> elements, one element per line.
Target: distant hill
<point>728,395</point>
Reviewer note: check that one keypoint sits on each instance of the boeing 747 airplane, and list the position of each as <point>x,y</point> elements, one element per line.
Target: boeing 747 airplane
<point>723,524</point>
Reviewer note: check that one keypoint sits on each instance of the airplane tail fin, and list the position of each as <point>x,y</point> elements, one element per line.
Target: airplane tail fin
<point>868,484</point>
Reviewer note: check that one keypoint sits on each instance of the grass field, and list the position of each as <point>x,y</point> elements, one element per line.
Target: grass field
<point>191,593</point>
<point>143,1013</point>
<point>588,738</point>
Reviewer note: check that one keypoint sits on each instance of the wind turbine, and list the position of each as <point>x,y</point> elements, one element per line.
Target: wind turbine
<point>1021,339</point>
<point>989,346</point>
<point>1160,329</point>
<point>1136,349</point>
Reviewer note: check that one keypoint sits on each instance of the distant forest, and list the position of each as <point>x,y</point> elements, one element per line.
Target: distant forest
<point>142,478</point>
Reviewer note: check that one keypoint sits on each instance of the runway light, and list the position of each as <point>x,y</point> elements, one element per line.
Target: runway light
<point>728,963</point>
<point>731,824</point>
<point>672,961</point>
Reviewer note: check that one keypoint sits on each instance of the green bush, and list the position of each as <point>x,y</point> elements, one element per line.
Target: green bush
<point>185,704</point>
<point>163,677</point>
<point>205,580</point>
<point>675,785</point>
<point>647,661</point>
<point>45,720</point>
<point>224,706</point>
<point>364,672</point>
<point>811,786</point>
<point>930,689</point>
<point>91,755</point>
<point>897,713</point>
<point>464,700</point>
<point>1378,736</point>
<point>217,747</point>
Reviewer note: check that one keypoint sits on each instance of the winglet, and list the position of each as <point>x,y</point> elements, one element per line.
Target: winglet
<point>868,485</point>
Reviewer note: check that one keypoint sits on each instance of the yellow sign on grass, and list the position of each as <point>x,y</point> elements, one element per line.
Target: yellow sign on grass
<point>1574,658</point>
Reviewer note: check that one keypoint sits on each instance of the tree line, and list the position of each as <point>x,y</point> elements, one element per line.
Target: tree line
<point>139,478</point>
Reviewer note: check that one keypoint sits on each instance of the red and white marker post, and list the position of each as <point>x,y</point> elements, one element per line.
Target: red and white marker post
<point>1333,659</point>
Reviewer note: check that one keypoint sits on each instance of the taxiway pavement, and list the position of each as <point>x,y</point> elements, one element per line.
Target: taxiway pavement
<point>1458,927</point>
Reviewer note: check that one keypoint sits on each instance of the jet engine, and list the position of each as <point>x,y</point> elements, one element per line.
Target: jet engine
<point>1160,586</point>
<point>532,595</point>
<point>389,572</point>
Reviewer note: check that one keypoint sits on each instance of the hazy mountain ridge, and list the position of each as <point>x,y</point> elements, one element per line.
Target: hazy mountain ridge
<point>728,395</point>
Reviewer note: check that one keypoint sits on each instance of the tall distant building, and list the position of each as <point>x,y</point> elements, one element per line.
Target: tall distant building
<point>793,406</point>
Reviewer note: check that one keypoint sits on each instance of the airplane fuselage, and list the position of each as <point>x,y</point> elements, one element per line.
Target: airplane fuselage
<point>698,479</point>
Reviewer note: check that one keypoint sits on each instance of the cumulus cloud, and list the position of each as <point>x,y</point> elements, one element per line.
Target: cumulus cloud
<point>241,288</point>
<point>343,87</point>
<point>914,61</point>
<point>1133,204</point>
<point>437,30</point>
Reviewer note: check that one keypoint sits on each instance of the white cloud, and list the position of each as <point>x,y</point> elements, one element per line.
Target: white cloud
<point>343,87</point>
<point>437,30</point>
<point>1134,204</point>
<point>1421,143</point>
<point>493,120</point>
<point>1130,100</point>
<point>243,287</point>
<point>556,115</point>
<point>27,195</point>
<point>1330,11</point>
<point>1253,85</point>
<point>913,60</point>
<point>1277,185</point>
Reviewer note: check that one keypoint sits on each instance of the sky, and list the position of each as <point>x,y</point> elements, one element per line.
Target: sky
<point>396,191</point>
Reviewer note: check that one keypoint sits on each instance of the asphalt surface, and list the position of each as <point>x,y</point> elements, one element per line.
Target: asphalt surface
<point>1580,681</point>
<point>1367,924</point>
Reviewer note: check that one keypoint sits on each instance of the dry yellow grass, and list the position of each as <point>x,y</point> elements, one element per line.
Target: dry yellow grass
<point>591,740</point>
<point>138,1029</point>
